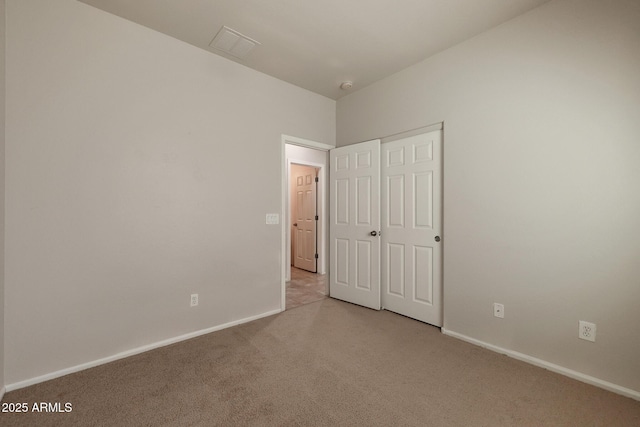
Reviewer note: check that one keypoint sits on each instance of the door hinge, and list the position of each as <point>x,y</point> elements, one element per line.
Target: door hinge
<point>317,217</point>
<point>317,179</point>
<point>316,256</point>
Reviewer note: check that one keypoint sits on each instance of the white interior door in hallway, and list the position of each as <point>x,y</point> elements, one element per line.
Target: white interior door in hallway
<point>304,217</point>
<point>385,248</point>
<point>412,226</point>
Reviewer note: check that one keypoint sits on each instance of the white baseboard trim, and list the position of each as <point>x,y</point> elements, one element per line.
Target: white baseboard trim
<point>549,366</point>
<point>132,352</point>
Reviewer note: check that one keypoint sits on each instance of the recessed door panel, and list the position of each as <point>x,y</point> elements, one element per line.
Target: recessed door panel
<point>395,206</point>
<point>341,201</point>
<point>300,244</point>
<point>423,151</point>
<point>310,249</point>
<point>364,264</point>
<point>364,160</point>
<point>423,275</point>
<point>395,157</point>
<point>341,261</point>
<point>342,162</point>
<point>363,200</point>
<point>395,280</point>
<point>423,199</point>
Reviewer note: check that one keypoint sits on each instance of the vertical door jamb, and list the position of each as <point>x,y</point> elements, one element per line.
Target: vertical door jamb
<point>316,179</point>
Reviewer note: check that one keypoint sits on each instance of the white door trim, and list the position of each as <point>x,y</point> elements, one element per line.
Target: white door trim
<point>284,224</point>
<point>294,140</point>
<point>413,132</point>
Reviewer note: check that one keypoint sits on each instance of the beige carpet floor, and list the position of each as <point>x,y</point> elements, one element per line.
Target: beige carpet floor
<point>327,363</point>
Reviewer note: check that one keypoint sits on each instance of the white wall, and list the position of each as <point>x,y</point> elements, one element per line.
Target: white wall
<point>2,128</point>
<point>541,181</point>
<point>139,170</point>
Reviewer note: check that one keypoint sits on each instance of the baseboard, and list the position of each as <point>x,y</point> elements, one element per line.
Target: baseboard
<point>549,366</point>
<point>2,390</point>
<point>138,350</point>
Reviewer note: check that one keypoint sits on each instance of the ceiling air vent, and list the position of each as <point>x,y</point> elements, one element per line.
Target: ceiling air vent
<point>233,43</point>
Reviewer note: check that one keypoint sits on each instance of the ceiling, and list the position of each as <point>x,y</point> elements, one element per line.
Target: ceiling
<point>317,44</point>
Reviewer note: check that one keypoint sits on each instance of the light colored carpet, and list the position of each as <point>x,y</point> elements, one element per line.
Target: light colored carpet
<point>323,364</point>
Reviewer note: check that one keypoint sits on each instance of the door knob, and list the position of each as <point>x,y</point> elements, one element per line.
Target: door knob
<point>374,233</point>
<point>295,224</point>
<point>437,238</point>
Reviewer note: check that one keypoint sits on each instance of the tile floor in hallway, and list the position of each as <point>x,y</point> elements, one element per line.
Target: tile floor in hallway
<point>305,287</point>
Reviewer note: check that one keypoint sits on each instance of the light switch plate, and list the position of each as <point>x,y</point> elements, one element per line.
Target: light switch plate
<point>273,218</point>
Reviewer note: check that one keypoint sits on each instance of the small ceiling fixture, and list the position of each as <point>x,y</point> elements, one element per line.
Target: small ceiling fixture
<point>346,85</point>
<point>233,42</point>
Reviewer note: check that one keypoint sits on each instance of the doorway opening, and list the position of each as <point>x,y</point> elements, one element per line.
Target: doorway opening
<point>305,284</point>
<point>305,227</point>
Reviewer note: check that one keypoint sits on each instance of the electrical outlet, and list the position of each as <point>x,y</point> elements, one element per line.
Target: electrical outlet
<point>498,310</point>
<point>194,300</point>
<point>587,331</point>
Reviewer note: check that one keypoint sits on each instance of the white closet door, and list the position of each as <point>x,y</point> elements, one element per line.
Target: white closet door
<point>355,224</point>
<point>412,226</point>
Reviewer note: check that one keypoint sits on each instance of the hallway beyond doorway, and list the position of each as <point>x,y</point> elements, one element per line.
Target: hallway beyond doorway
<point>305,287</point>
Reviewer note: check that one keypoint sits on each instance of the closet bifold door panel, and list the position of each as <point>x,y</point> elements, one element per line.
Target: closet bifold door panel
<point>411,253</point>
<point>354,231</point>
